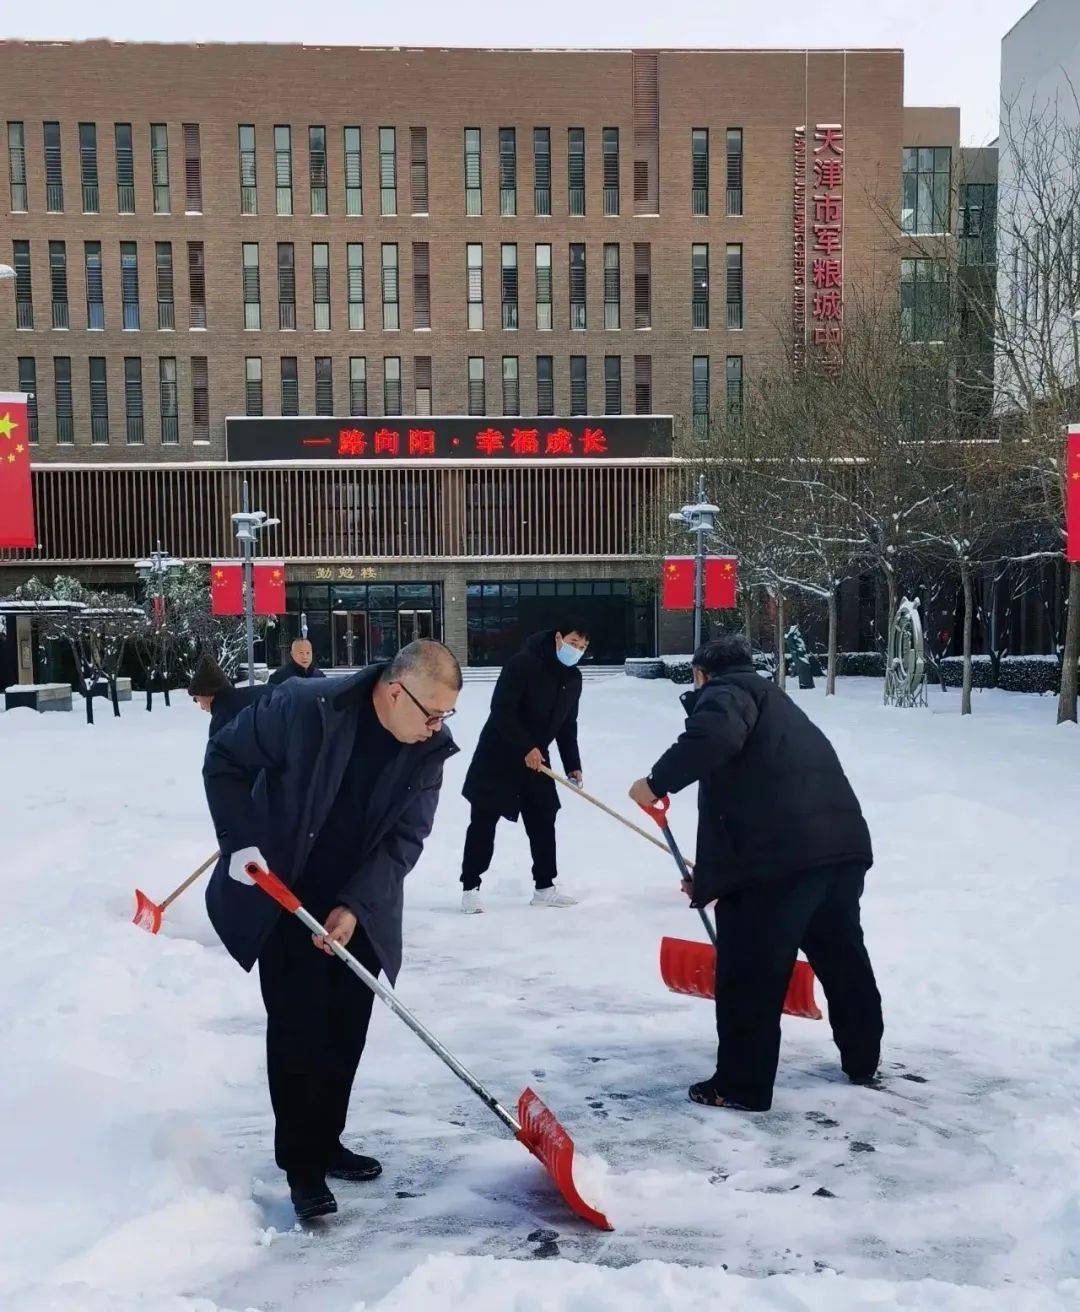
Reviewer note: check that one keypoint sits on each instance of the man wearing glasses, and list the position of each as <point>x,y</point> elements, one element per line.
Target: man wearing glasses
<point>333,785</point>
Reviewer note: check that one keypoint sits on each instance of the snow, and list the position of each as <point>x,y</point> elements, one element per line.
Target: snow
<point>135,1151</point>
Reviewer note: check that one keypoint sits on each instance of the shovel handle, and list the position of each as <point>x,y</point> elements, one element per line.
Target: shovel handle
<point>190,880</point>
<point>659,810</point>
<point>607,810</point>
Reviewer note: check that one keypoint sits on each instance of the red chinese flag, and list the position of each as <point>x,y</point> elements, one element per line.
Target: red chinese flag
<point>270,587</point>
<point>1072,495</point>
<point>16,495</point>
<point>721,579</point>
<point>226,587</point>
<point>679,583</point>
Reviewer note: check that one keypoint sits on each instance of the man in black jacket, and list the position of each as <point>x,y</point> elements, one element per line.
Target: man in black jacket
<point>333,786</point>
<point>535,703</point>
<point>300,665</point>
<point>783,849</point>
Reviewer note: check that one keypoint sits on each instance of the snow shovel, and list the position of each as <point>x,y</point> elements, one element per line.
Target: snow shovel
<point>690,968</point>
<point>148,914</point>
<point>574,788</point>
<point>536,1126</point>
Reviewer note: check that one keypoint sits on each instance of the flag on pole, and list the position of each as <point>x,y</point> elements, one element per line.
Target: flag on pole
<point>16,491</point>
<point>270,587</point>
<point>678,583</point>
<point>721,581</point>
<point>1072,495</point>
<point>226,587</point>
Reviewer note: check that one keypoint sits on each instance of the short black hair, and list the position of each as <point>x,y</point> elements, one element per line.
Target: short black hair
<point>719,654</point>
<point>427,658</point>
<point>574,624</point>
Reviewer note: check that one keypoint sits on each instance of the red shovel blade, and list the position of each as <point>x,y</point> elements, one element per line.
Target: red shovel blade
<point>690,967</point>
<point>546,1139</point>
<point>147,914</point>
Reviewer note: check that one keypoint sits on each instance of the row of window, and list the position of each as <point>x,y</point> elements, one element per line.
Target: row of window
<point>351,177</point>
<point>357,400</point>
<point>252,292</point>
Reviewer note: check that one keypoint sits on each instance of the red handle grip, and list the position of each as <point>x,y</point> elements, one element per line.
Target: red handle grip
<point>269,883</point>
<point>658,810</point>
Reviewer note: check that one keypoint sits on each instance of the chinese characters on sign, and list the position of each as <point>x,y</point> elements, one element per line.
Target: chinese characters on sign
<point>419,443</point>
<point>827,247</point>
<point>346,573</point>
<point>798,268</point>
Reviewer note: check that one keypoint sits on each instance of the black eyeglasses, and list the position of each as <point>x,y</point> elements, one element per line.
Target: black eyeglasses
<point>432,718</point>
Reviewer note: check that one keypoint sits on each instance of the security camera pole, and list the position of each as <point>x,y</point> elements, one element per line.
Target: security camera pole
<point>153,571</point>
<point>699,519</point>
<point>249,524</point>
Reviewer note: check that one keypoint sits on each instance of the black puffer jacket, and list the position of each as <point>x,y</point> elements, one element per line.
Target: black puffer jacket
<point>290,670</point>
<point>773,798</point>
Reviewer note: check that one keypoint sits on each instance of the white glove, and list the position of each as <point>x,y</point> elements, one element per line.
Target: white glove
<point>239,860</point>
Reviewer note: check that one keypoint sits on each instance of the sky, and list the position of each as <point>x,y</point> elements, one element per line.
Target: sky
<point>952,47</point>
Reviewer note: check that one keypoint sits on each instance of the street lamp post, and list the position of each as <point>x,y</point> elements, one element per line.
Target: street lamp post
<point>153,570</point>
<point>699,519</point>
<point>249,524</point>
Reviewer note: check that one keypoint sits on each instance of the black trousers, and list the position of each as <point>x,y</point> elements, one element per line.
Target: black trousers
<point>759,932</point>
<point>317,1015</point>
<point>539,821</point>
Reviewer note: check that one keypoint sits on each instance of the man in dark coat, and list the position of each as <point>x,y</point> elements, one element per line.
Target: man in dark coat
<point>333,786</point>
<point>212,691</point>
<point>300,665</point>
<point>535,703</point>
<point>783,849</point>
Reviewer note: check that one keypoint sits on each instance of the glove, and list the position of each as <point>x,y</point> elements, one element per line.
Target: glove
<point>239,860</point>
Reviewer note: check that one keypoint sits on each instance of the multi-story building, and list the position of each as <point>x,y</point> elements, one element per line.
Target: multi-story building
<point>579,253</point>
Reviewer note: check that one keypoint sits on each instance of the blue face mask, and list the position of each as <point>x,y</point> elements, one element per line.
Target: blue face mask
<point>569,655</point>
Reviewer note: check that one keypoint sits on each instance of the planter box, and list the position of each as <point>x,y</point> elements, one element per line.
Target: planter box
<point>644,667</point>
<point>38,696</point>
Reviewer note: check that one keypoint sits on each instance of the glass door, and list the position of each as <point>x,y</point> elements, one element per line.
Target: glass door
<point>350,646</point>
<point>414,624</point>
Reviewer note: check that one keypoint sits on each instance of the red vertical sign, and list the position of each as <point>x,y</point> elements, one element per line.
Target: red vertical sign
<point>1072,495</point>
<point>678,583</point>
<point>226,587</point>
<point>721,580</point>
<point>16,492</point>
<point>270,587</point>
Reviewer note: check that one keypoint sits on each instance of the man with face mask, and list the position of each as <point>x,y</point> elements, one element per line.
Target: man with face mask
<point>783,849</point>
<point>300,665</point>
<point>535,703</point>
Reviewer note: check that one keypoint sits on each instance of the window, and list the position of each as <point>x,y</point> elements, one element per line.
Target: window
<point>159,166</point>
<point>357,385</point>
<point>924,206</point>
<point>643,384</point>
<point>54,175</point>
<point>507,172</point>
<point>577,286</point>
<point>125,169</point>
<point>699,282</point>
<point>192,169</point>
<point>575,170</point>
<point>95,291</point>
<point>355,258</point>
<point>699,396</point>
<point>699,171</point>
<point>387,171</point>
<point>511,390</point>
<point>253,389</point>
<point>612,299</point>
<point>734,382</point>
<point>924,300</point>
<point>166,315</point>
<point>978,225</point>
<point>290,386</point>
<point>88,168</point>
<point>421,285</point>
<point>354,180</point>
<point>324,385</point>
<point>734,287</point>
<point>167,401</point>
<point>197,284</point>
<point>391,385</point>
<point>58,283</point>
<point>613,384</point>
<point>734,173</point>
<point>611,170</point>
<point>579,385</point>
<point>200,399</point>
<point>510,285</point>
<point>283,169</point>
<point>545,385</point>
<point>24,297</point>
<point>286,286</point>
<point>252,294</point>
<point>476,385</point>
<point>65,418</point>
<point>543,288</point>
<point>474,201</point>
<point>542,171</point>
<point>129,285</point>
<point>474,274</point>
<point>99,401</point>
<point>418,169</point>
<point>28,384</point>
<point>320,285</point>
<point>17,166</point>
<point>422,376</point>
<point>133,400</point>
<point>391,311</point>
<point>317,169</point>
<point>249,189</point>
<point>642,285</point>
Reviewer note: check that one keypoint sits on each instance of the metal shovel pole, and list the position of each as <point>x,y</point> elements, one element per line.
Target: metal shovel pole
<point>658,810</point>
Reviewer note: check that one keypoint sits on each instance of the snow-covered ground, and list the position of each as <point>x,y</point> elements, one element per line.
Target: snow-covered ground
<point>135,1161</point>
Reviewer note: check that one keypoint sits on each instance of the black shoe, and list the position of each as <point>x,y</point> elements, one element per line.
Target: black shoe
<point>871,1081</point>
<point>311,1197</point>
<point>346,1165</point>
<point>708,1095</point>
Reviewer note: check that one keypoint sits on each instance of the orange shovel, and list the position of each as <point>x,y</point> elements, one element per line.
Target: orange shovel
<point>148,913</point>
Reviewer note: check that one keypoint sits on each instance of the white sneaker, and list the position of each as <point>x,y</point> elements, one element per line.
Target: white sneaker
<point>470,902</point>
<point>551,897</point>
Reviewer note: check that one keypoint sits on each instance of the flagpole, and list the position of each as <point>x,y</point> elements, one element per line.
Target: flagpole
<point>249,593</point>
